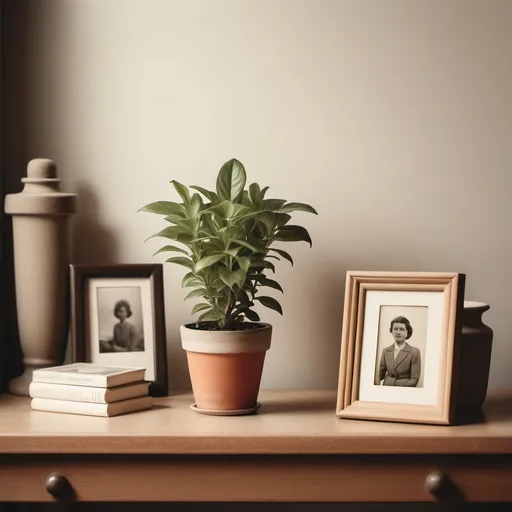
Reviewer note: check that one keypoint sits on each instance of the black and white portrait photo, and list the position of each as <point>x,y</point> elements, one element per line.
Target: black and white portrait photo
<point>401,345</point>
<point>120,320</point>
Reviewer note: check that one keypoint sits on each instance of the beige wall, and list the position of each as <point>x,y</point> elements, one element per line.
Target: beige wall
<point>393,118</point>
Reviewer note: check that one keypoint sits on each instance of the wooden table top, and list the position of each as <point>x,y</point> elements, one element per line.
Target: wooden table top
<point>289,422</point>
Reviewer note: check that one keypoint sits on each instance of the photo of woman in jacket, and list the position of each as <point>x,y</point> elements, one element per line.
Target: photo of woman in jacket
<point>400,363</point>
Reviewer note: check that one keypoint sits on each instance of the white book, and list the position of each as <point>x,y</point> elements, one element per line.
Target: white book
<point>88,374</point>
<point>87,393</point>
<point>90,409</point>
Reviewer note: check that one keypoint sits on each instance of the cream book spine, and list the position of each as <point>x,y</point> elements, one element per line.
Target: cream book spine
<point>91,409</point>
<point>87,393</point>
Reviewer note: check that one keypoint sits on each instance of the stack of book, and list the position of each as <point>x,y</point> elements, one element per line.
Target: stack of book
<point>90,389</point>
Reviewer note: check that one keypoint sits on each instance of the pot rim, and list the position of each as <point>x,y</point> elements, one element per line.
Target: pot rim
<point>263,325</point>
<point>226,342</point>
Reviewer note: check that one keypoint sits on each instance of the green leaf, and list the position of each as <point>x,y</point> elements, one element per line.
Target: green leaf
<point>233,252</point>
<point>255,195</point>
<point>227,277</point>
<point>205,231</point>
<point>293,234</point>
<point>191,279</point>
<point>169,248</point>
<point>240,209</point>
<point>200,307</point>
<point>211,196</point>
<point>212,315</point>
<point>239,199</point>
<point>282,219</point>
<point>271,284</point>
<point>193,283</point>
<point>173,233</point>
<point>232,278</point>
<point>210,244</point>
<point>240,275</point>
<point>173,218</point>
<point>251,315</point>
<point>184,238</point>
<point>189,276</point>
<point>267,218</point>
<point>198,292</point>
<point>282,253</point>
<point>249,287</point>
<point>244,298</point>
<point>298,207</point>
<point>249,246</point>
<point>273,204</point>
<point>208,261</point>
<point>244,263</point>
<point>195,206</point>
<point>219,284</point>
<point>226,209</point>
<point>263,264</point>
<point>271,303</point>
<point>246,200</point>
<point>180,260</point>
<point>189,225</point>
<point>209,223</point>
<point>250,215</point>
<point>231,180</point>
<point>233,232</point>
<point>163,208</point>
<point>182,191</point>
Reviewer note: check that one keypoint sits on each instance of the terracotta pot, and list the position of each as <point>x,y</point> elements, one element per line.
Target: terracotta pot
<point>475,357</point>
<point>225,366</point>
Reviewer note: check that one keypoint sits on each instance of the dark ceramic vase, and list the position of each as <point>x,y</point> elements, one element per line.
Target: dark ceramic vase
<point>475,357</point>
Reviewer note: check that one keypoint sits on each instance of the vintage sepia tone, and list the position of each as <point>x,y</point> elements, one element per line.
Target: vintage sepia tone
<point>402,336</point>
<point>120,322</point>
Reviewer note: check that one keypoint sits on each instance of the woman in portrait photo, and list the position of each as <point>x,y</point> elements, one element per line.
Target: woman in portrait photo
<point>400,363</point>
<point>126,337</point>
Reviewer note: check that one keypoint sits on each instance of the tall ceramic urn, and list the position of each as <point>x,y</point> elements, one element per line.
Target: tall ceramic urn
<point>41,236</point>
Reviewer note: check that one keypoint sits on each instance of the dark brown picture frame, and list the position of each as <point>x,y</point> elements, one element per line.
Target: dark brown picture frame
<point>79,274</point>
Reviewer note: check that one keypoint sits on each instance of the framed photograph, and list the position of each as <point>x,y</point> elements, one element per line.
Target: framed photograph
<point>117,319</point>
<point>399,346</point>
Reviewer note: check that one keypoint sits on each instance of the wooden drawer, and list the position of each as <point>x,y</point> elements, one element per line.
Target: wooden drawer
<point>256,478</point>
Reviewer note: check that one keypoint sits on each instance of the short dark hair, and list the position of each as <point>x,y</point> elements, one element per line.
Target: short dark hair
<point>402,320</point>
<point>122,304</point>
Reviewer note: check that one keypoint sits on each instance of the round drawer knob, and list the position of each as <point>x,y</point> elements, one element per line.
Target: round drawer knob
<point>57,485</point>
<point>436,483</point>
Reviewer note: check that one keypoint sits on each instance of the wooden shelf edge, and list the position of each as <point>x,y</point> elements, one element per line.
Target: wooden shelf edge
<point>218,445</point>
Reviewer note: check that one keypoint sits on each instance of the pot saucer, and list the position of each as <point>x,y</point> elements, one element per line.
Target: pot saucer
<point>228,412</point>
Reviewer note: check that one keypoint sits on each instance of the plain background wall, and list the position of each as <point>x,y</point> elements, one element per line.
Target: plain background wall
<point>392,118</point>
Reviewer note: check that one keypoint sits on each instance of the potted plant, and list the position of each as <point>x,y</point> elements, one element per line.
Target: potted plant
<point>224,239</point>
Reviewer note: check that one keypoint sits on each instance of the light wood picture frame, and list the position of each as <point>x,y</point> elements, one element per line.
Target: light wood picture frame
<point>388,375</point>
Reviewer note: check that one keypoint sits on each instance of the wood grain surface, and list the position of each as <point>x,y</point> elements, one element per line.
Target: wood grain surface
<point>289,422</point>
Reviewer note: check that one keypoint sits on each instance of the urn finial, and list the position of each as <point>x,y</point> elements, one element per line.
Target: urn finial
<point>41,168</point>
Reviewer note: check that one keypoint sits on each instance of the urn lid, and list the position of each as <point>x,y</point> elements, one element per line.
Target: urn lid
<point>41,193</point>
